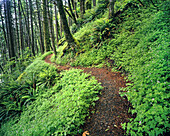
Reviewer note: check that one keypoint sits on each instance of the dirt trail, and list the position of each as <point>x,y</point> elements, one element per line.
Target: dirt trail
<point>111,110</point>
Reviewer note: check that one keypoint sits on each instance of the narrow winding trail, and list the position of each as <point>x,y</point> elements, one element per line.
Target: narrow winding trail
<point>111,110</point>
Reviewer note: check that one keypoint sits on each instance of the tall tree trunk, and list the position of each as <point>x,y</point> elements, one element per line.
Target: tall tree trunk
<point>82,7</point>
<point>27,21</point>
<point>67,33</point>
<point>46,27</point>
<point>61,28</point>
<point>16,25</point>
<point>73,15</point>
<point>74,4</point>
<point>111,9</point>
<point>50,15</point>
<point>7,30</point>
<point>20,28</point>
<point>32,28</point>
<point>39,22</point>
<point>10,28</point>
<point>56,23</point>
<point>3,28</point>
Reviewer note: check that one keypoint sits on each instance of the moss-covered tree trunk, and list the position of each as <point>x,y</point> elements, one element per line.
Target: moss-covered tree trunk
<point>67,33</point>
<point>46,27</point>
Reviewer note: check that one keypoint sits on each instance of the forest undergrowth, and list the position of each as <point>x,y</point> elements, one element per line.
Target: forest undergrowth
<point>41,100</point>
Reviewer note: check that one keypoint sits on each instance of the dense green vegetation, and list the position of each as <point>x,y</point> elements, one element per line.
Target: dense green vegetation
<point>139,44</point>
<point>38,100</point>
<point>50,102</point>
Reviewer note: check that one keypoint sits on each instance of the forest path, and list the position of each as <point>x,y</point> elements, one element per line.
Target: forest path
<point>111,110</point>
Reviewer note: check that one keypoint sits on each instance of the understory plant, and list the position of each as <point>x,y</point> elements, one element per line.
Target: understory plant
<point>143,51</point>
<point>16,94</point>
<point>59,110</point>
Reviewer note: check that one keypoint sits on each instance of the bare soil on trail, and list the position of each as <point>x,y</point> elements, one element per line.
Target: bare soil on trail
<point>111,110</point>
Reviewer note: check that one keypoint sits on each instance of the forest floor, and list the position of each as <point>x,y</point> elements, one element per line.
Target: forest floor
<point>111,110</point>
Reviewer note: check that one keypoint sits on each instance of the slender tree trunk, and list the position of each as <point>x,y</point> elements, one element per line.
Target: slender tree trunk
<point>7,30</point>
<point>27,21</point>
<point>10,28</point>
<point>46,27</point>
<point>32,28</point>
<point>50,15</point>
<point>39,22</point>
<point>20,28</point>
<point>74,5</point>
<point>67,33</point>
<point>73,15</point>
<point>111,9</point>
<point>56,23</point>
<point>16,25</point>
<point>82,7</point>
<point>61,28</point>
<point>3,28</point>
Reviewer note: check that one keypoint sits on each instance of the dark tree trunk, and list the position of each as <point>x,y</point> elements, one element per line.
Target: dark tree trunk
<point>111,9</point>
<point>27,20</point>
<point>16,25</point>
<point>56,23</point>
<point>32,28</point>
<point>46,27</point>
<point>74,4</point>
<point>10,30</point>
<point>73,15</point>
<point>67,33</point>
<point>3,28</point>
<point>61,28</point>
<point>50,16</point>
<point>20,28</point>
<point>39,22</point>
<point>7,30</point>
<point>82,7</point>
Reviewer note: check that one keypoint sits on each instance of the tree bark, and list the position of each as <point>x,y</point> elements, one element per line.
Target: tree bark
<point>67,33</point>
<point>32,28</point>
<point>73,15</point>
<point>74,4</point>
<point>10,30</point>
<point>7,30</point>
<point>61,28</point>
<point>46,27</point>
<point>39,22</point>
<point>82,7</point>
<point>50,15</point>
<point>111,9</point>
<point>56,23</point>
<point>3,28</point>
<point>20,28</point>
<point>16,25</point>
